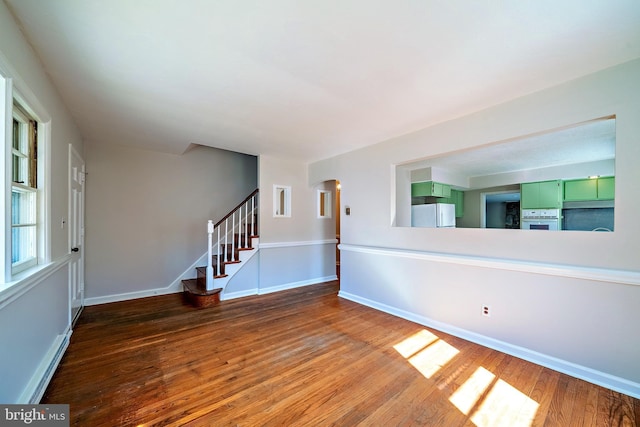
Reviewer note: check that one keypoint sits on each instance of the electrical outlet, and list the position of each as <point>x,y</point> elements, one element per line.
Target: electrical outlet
<point>486,310</point>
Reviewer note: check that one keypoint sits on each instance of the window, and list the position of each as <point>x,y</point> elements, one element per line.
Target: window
<point>24,189</point>
<point>324,204</point>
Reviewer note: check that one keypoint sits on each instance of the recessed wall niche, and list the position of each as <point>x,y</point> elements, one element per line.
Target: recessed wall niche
<point>281,201</point>
<point>324,204</point>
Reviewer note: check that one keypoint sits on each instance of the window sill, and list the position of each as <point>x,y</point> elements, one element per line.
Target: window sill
<point>24,281</point>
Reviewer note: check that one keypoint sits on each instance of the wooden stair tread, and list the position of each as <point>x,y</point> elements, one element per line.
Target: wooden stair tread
<point>199,297</point>
<point>191,285</point>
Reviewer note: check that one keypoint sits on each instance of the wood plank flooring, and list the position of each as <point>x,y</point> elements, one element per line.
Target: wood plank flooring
<point>305,357</point>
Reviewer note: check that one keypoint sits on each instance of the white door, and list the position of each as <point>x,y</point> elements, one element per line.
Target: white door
<point>76,232</point>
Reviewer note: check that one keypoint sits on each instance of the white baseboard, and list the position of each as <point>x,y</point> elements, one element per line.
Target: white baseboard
<point>591,375</point>
<point>271,289</point>
<point>299,284</point>
<point>227,296</point>
<point>240,294</point>
<point>40,380</point>
<point>174,288</point>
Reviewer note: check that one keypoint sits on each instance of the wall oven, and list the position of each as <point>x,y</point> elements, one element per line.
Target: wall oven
<point>540,219</point>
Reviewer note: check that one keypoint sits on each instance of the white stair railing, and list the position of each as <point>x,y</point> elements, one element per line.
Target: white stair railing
<point>238,219</point>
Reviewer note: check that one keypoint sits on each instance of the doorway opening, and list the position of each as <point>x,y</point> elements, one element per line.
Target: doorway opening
<point>500,209</point>
<point>337,210</point>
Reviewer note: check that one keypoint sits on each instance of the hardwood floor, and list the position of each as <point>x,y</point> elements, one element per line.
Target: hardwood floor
<point>305,357</point>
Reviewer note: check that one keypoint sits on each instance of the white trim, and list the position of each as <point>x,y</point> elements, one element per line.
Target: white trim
<point>6,98</point>
<point>300,243</point>
<point>39,381</point>
<point>603,379</point>
<point>286,190</point>
<point>171,289</point>
<point>299,284</point>
<point>325,196</point>
<point>26,280</point>
<point>239,294</point>
<point>625,277</point>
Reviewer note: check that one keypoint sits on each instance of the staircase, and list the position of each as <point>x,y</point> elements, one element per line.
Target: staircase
<point>231,241</point>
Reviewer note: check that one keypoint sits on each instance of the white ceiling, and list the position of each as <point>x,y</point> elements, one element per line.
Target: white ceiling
<point>309,79</point>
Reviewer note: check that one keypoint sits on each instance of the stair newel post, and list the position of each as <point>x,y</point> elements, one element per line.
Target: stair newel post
<point>210,257</point>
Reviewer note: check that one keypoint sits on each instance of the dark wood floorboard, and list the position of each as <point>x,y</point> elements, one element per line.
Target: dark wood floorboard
<point>305,357</point>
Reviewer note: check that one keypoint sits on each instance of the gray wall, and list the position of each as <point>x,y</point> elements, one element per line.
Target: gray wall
<point>563,299</point>
<point>36,320</point>
<point>147,212</point>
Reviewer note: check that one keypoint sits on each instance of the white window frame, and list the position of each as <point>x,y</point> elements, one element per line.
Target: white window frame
<point>13,89</point>
<point>24,187</point>
<point>281,201</point>
<point>324,204</point>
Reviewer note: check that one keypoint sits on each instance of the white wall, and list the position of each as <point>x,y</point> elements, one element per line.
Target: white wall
<point>298,250</point>
<point>147,213</point>
<point>36,322</point>
<point>564,299</point>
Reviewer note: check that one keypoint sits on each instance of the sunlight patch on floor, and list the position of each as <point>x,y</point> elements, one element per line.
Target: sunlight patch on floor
<point>492,402</point>
<point>431,359</point>
<point>468,394</point>
<point>487,400</point>
<point>505,405</point>
<point>426,352</point>
<point>416,342</point>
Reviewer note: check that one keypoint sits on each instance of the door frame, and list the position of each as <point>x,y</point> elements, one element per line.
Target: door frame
<point>79,175</point>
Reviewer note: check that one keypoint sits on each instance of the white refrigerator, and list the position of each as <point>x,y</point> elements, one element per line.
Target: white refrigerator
<point>433,215</point>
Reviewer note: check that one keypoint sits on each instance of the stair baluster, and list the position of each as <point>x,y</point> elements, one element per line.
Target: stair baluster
<point>226,233</point>
<point>218,271</point>
<point>253,215</point>
<point>233,237</point>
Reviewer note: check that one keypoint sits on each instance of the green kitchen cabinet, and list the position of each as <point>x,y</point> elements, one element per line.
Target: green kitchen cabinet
<point>541,195</point>
<point>430,188</point>
<point>606,188</point>
<point>457,198</point>
<point>578,190</point>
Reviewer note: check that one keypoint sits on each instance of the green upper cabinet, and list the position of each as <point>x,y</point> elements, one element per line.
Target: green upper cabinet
<point>580,189</point>
<point>430,188</point>
<point>457,198</point>
<point>606,188</point>
<point>541,195</point>
<point>577,190</point>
